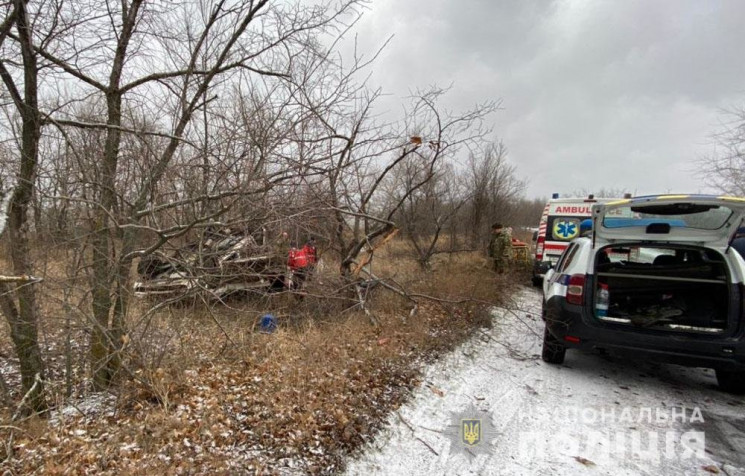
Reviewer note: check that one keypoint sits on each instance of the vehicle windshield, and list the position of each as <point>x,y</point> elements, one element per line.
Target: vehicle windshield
<point>703,216</point>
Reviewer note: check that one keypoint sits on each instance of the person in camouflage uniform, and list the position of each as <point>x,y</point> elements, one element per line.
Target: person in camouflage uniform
<point>500,247</point>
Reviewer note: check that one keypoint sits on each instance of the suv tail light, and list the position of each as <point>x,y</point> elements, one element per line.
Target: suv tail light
<point>539,248</point>
<point>575,288</point>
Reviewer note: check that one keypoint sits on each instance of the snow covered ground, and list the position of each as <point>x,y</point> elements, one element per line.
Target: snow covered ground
<point>592,415</point>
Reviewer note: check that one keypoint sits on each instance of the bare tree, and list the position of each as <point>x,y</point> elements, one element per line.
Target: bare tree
<point>724,169</point>
<point>363,212</point>
<point>603,192</point>
<point>23,318</point>
<point>527,212</point>
<point>106,53</point>
<point>494,187</point>
<point>427,213</point>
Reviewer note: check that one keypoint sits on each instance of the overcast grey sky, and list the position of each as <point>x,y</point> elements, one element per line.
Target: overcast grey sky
<point>595,94</point>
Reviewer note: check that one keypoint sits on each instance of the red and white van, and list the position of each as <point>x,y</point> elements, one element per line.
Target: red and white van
<point>560,224</point>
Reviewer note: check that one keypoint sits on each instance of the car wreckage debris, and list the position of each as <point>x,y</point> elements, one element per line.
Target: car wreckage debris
<point>224,263</point>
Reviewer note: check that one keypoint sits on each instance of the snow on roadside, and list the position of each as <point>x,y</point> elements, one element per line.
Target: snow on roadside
<point>592,415</point>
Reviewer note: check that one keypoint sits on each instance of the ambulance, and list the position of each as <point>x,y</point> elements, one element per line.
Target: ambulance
<point>560,224</point>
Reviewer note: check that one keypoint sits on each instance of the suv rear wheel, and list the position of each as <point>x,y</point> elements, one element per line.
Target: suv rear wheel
<point>553,352</point>
<point>729,381</point>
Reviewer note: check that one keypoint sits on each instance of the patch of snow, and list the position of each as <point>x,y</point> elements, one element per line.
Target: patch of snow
<point>92,406</point>
<point>545,415</point>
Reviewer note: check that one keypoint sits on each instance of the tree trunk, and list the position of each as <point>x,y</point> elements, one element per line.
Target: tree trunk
<point>23,319</point>
<point>23,332</point>
<point>104,355</point>
<point>104,362</point>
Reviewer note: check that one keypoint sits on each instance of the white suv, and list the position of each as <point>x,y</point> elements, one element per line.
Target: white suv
<point>658,278</point>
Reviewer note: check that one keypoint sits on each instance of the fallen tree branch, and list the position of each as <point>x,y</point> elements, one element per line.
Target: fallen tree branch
<point>514,354</point>
<point>20,279</point>
<point>19,410</point>
<point>428,446</point>
<point>361,304</point>
<point>462,250</point>
<point>410,427</point>
<point>522,321</point>
<point>398,414</point>
<point>410,296</point>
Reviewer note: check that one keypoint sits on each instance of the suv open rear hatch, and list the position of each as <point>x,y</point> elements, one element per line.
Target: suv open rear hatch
<point>662,260</point>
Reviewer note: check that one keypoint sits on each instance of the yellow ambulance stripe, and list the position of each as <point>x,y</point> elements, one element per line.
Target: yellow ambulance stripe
<point>732,199</point>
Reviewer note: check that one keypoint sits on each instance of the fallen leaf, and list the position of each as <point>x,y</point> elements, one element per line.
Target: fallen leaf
<point>437,391</point>
<point>711,469</point>
<point>584,461</point>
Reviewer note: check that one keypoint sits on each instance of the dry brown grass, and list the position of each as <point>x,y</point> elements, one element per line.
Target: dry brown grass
<point>207,393</point>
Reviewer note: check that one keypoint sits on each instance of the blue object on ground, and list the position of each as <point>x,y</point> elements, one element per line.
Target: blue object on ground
<point>268,323</point>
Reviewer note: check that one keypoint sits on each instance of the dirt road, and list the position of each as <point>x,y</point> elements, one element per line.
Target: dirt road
<point>592,415</point>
